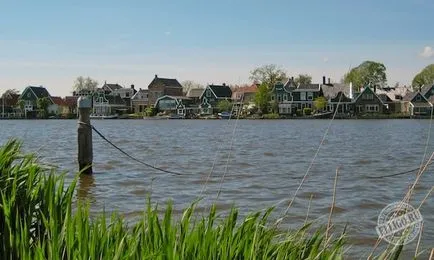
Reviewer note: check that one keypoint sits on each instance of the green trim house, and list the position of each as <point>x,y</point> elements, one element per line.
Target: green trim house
<point>211,96</point>
<point>368,102</point>
<point>179,105</point>
<point>419,105</point>
<point>30,96</point>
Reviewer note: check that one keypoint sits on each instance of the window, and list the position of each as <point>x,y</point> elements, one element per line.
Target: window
<point>309,95</point>
<point>302,95</point>
<point>208,93</point>
<point>418,98</point>
<point>180,111</point>
<point>368,96</point>
<point>285,97</point>
<point>272,97</point>
<point>279,98</point>
<point>371,108</point>
<point>127,94</point>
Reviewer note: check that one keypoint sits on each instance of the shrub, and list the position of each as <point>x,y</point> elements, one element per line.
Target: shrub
<point>271,116</point>
<point>307,111</point>
<point>299,112</point>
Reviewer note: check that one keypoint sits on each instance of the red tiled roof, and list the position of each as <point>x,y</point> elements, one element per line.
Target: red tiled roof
<point>58,101</point>
<point>71,101</point>
<point>250,89</point>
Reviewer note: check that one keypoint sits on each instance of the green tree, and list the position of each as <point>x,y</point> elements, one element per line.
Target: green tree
<point>425,77</point>
<point>85,84</point>
<point>268,75</point>
<point>367,73</point>
<point>303,79</point>
<point>43,104</point>
<point>320,103</point>
<point>262,98</point>
<point>224,106</point>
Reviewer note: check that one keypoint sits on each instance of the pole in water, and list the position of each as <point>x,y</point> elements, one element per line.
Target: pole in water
<point>85,153</point>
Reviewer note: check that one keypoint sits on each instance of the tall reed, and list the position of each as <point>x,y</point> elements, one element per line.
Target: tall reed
<point>37,222</point>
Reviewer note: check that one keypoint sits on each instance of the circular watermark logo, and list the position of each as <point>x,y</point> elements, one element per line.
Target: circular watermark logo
<point>399,223</point>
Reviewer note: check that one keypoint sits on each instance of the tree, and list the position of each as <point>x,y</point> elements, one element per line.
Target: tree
<point>224,105</point>
<point>262,97</point>
<point>85,84</point>
<point>303,79</point>
<point>9,92</point>
<point>425,77</point>
<point>367,73</point>
<point>320,103</point>
<point>268,75</point>
<point>189,84</point>
<point>42,104</point>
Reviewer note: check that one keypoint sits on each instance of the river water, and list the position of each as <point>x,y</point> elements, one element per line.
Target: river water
<point>262,163</point>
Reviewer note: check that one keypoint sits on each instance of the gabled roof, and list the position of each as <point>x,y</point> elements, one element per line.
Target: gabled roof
<point>112,87</point>
<point>71,101</point>
<point>11,99</point>
<point>424,90</point>
<point>166,82</point>
<point>195,92</point>
<point>363,91</point>
<point>39,92</point>
<point>308,87</point>
<point>332,90</point>
<point>139,93</point>
<point>176,98</point>
<point>384,97</point>
<point>219,91</point>
<point>412,95</point>
<point>58,101</point>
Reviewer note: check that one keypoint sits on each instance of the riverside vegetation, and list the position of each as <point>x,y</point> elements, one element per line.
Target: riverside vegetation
<point>39,219</point>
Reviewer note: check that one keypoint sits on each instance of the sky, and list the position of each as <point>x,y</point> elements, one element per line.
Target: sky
<point>51,43</point>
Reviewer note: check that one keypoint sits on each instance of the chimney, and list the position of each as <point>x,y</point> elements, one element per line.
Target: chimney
<point>328,81</point>
<point>156,76</point>
<point>420,88</point>
<point>323,80</point>
<point>224,84</point>
<point>132,86</point>
<point>292,78</point>
<point>375,88</point>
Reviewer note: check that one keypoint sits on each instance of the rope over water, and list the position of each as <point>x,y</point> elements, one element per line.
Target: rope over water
<point>128,155</point>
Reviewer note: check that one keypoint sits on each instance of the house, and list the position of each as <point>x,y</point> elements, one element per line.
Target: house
<point>418,104</point>
<point>283,95</point>
<point>126,94</point>
<point>244,97</point>
<point>107,104</point>
<point>367,101</point>
<point>59,105</point>
<point>339,96</point>
<point>163,86</point>
<point>9,105</point>
<point>211,96</point>
<point>30,96</point>
<point>393,98</point>
<point>70,109</point>
<point>139,101</point>
<point>178,105</point>
<point>194,94</point>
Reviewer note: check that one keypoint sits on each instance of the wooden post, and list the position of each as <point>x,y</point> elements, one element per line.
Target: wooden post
<point>85,153</point>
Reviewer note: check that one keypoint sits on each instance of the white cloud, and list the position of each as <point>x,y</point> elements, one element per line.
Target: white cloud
<point>427,52</point>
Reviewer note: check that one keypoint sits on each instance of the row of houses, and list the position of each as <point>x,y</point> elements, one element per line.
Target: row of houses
<point>166,95</point>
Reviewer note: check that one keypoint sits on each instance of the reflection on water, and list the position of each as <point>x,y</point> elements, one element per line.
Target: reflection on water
<point>267,160</point>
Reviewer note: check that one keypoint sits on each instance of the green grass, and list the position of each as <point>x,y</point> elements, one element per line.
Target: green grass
<point>37,221</point>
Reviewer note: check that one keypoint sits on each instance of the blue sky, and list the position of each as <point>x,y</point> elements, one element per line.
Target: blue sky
<point>50,43</point>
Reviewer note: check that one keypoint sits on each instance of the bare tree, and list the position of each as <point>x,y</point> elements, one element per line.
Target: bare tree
<point>268,74</point>
<point>85,84</point>
<point>189,84</point>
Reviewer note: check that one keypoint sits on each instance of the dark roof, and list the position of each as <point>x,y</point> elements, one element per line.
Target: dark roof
<point>311,87</point>
<point>165,82</point>
<point>115,100</point>
<point>409,96</point>
<point>384,97</point>
<point>40,92</point>
<point>424,90</point>
<point>221,91</point>
<point>112,86</point>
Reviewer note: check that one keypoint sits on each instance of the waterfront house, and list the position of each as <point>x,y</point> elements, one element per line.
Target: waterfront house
<point>126,94</point>
<point>9,105</point>
<point>339,96</point>
<point>393,98</point>
<point>30,96</point>
<point>194,94</point>
<point>107,104</point>
<point>211,96</point>
<point>71,106</point>
<point>367,101</point>
<point>163,86</point>
<point>109,88</point>
<point>244,97</point>
<point>59,105</point>
<point>418,104</point>
<point>174,105</point>
<point>282,94</point>
<point>139,101</point>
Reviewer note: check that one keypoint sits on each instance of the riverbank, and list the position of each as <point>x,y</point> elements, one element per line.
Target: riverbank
<point>41,219</point>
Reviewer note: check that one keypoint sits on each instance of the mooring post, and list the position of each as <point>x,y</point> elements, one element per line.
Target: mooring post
<point>85,153</point>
